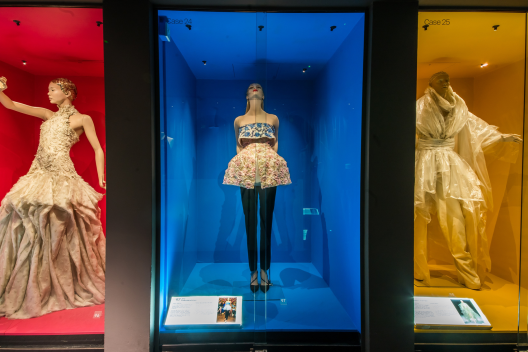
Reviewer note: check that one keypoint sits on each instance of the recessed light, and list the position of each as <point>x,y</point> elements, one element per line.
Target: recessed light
<point>304,70</point>
<point>24,62</point>
<point>483,65</point>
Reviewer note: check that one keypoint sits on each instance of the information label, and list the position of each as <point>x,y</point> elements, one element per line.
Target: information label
<point>448,313</point>
<point>204,310</point>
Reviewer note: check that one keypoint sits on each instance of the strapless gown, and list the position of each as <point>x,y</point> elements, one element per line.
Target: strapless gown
<point>52,246</point>
<point>257,140</point>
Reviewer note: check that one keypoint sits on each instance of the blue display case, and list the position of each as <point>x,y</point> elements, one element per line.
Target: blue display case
<point>309,67</point>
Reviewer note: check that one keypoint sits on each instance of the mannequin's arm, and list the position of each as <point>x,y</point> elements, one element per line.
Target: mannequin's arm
<point>89,129</point>
<point>23,108</point>
<point>511,138</point>
<point>238,146</point>
<point>276,124</point>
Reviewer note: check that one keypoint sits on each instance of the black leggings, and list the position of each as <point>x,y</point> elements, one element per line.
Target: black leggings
<point>250,197</point>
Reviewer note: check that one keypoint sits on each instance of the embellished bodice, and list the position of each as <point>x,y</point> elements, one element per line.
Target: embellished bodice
<point>260,132</point>
<point>56,140</point>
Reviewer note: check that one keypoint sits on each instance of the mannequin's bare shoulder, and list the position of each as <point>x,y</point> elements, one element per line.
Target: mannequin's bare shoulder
<point>273,119</point>
<point>238,120</point>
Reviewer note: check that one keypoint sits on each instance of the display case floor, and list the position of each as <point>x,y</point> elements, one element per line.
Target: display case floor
<point>498,298</point>
<point>300,299</point>
<point>79,321</point>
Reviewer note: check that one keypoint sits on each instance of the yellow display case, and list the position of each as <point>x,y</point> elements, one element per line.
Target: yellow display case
<point>484,54</point>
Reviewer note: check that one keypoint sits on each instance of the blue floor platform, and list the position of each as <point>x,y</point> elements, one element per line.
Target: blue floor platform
<point>299,300</point>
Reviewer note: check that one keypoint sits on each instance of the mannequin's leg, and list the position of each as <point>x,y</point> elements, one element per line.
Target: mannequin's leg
<point>249,204</point>
<point>421,270</point>
<point>267,204</point>
<point>453,224</point>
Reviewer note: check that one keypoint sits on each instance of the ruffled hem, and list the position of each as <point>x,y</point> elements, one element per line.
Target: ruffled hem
<point>52,247</point>
<point>42,188</point>
<point>273,169</point>
<point>459,181</point>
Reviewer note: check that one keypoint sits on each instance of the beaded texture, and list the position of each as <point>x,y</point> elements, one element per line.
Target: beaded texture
<point>257,140</point>
<point>52,247</point>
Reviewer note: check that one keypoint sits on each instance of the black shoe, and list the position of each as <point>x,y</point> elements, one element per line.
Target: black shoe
<point>254,288</point>
<point>265,285</point>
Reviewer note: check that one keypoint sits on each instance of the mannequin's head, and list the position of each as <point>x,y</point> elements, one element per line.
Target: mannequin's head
<point>254,92</point>
<point>60,90</point>
<point>440,83</point>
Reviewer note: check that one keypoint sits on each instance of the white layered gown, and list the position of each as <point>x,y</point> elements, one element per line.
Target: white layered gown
<point>52,247</point>
<point>451,181</point>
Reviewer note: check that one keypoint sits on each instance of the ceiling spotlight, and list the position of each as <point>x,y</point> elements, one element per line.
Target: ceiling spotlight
<point>99,23</point>
<point>17,22</point>
<point>304,70</point>
<point>205,62</point>
<point>332,28</point>
<point>260,28</point>
<point>495,27</point>
<point>425,27</point>
<point>188,26</point>
<point>483,65</point>
<point>24,62</point>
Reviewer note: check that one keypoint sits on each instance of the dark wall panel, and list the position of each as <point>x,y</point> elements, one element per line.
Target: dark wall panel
<point>128,80</point>
<point>389,177</point>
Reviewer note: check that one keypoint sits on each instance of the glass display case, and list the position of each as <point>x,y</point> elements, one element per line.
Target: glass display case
<point>53,212</point>
<point>260,230</point>
<point>469,177</point>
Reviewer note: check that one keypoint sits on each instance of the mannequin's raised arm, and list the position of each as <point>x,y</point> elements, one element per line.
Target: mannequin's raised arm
<point>23,108</point>
<point>89,129</point>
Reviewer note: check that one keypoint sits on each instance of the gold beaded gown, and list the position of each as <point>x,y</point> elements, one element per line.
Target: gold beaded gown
<point>52,246</point>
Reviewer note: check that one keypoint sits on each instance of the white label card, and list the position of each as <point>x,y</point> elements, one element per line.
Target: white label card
<point>205,310</point>
<point>431,312</point>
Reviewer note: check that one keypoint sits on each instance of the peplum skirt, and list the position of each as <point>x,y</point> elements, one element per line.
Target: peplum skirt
<point>273,169</point>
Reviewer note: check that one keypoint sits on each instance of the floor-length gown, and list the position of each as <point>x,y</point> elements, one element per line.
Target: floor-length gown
<point>52,247</point>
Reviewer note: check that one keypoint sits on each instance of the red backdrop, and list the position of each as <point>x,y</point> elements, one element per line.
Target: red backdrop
<point>19,133</point>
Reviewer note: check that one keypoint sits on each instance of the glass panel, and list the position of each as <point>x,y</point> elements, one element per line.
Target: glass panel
<point>207,61</point>
<point>292,218</point>
<point>468,172</point>
<point>523,293</point>
<point>61,195</point>
<point>312,170</point>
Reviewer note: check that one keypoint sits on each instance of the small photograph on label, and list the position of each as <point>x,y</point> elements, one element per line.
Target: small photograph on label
<point>467,311</point>
<point>226,310</point>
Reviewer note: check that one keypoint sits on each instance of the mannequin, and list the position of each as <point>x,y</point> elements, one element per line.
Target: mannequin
<point>257,169</point>
<point>451,179</point>
<point>469,314</point>
<point>52,218</point>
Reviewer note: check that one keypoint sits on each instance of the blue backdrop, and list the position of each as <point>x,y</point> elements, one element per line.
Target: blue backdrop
<point>320,138</point>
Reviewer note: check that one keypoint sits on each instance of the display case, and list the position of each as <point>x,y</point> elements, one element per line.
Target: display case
<point>53,221</point>
<point>260,230</point>
<point>469,178</point>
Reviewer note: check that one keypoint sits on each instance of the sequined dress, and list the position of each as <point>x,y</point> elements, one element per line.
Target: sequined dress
<point>52,247</point>
<point>257,140</point>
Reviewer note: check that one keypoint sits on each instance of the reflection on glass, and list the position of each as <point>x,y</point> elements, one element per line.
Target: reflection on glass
<point>278,248</point>
<point>467,197</point>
